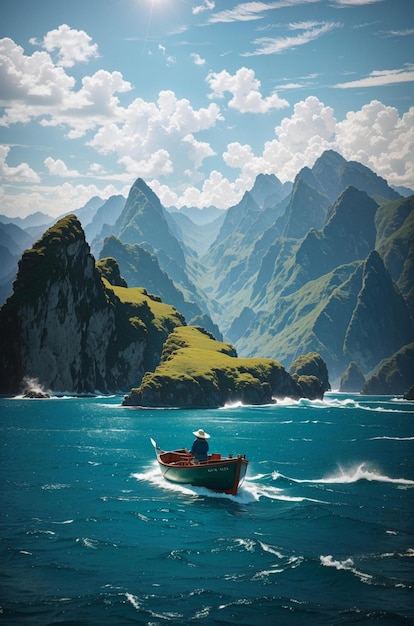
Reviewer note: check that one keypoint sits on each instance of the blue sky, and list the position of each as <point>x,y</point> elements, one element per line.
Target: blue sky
<point>197,97</point>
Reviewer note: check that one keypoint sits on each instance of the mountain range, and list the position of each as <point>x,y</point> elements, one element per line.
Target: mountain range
<point>323,264</point>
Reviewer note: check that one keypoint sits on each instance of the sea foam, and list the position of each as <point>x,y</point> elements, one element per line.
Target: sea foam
<point>353,475</point>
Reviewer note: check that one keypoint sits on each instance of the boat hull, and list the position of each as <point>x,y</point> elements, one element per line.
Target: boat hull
<point>223,475</point>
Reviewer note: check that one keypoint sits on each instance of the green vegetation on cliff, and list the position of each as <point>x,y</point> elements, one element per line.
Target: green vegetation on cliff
<point>196,371</point>
<point>140,301</point>
<point>143,315</point>
<point>109,269</point>
<point>46,262</point>
<point>311,365</point>
<point>396,374</point>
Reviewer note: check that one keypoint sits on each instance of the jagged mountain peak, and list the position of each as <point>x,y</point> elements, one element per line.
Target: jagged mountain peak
<point>235,216</point>
<point>328,159</point>
<point>268,190</point>
<point>141,200</point>
<point>62,252</point>
<point>86,213</point>
<point>143,219</point>
<point>353,205</point>
<point>141,185</point>
<point>365,179</point>
<point>348,236</point>
<point>334,174</point>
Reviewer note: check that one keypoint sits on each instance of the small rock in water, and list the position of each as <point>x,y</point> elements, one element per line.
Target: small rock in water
<point>32,393</point>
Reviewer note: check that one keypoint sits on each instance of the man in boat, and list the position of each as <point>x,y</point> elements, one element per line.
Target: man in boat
<point>199,448</point>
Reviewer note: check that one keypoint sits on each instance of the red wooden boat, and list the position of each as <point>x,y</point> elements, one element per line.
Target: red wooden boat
<point>220,474</point>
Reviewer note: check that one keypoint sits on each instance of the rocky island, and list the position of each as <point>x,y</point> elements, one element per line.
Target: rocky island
<point>197,371</point>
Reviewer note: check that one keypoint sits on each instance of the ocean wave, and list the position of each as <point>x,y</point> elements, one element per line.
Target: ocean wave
<point>379,577</point>
<point>139,605</point>
<point>392,438</point>
<point>39,531</point>
<point>86,542</point>
<point>232,405</point>
<point>55,486</point>
<point>345,565</point>
<point>338,403</point>
<point>353,475</point>
<point>265,558</point>
<point>252,491</point>
<point>328,402</point>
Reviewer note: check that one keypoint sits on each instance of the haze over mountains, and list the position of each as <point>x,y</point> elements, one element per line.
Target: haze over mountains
<point>324,264</point>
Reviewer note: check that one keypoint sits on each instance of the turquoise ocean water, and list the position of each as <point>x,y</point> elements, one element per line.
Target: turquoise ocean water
<point>321,532</point>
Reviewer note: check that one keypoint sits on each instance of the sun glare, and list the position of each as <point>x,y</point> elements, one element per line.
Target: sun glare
<point>156,4</point>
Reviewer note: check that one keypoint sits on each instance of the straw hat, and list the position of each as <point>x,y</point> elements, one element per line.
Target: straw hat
<point>201,434</point>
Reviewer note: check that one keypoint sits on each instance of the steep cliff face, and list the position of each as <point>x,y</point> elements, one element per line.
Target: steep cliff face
<point>62,327</point>
<point>381,322</point>
<point>140,268</point>
<point>306,209</point>
<point>348,236</point>
<point>352,379</point>
<point>395,244</point>
<point>396,375</point>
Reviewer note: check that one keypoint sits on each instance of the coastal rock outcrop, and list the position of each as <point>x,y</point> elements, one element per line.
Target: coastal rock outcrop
<point>311,365</point>
<point>395,376</point>
<point>352,379</point>
<point>409,395</point>
<point>196,371</point>
<point>63,327</point>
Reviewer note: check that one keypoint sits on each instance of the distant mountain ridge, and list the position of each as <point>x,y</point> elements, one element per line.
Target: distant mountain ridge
<point>322,265</point>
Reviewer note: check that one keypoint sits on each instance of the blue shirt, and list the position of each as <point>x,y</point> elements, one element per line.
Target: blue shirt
<point>200,449</point>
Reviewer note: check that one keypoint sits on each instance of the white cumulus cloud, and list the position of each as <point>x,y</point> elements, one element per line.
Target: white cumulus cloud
<point>197,59</point>
<point>57,167</point>
<point>33,87</point>
<point>30,86</point>
<point>18,173</point>
<point>245,88</point>
<point>380,139</point>
<point>216,190</point>
<point>165,128</point>
<point>72,46</point>
<point>157,164</point>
